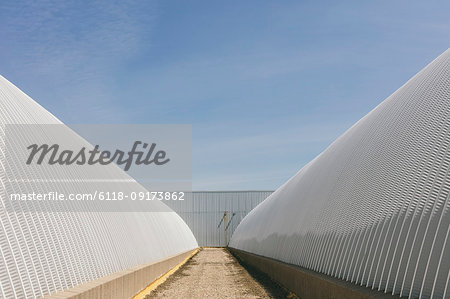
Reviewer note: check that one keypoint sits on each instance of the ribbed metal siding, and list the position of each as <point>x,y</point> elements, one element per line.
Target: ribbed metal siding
<point>203,213</point>
<point>374,207</point>
<point>44,252</point>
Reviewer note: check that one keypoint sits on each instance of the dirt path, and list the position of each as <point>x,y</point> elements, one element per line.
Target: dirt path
<point>215,273</point>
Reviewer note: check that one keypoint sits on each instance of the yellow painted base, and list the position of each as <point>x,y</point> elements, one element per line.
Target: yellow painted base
<point>163,278</point>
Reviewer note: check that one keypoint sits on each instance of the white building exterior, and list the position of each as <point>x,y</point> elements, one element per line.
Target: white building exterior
<point>44,252</point>
<point>374,207</point>
<point>213,216</point>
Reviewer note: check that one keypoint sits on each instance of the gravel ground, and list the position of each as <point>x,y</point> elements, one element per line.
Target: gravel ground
<point>215,273</point>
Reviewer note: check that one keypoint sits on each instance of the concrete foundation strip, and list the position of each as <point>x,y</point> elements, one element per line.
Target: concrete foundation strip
<point>126,283</point>
<point>163,278</point>
<point>307,283</point>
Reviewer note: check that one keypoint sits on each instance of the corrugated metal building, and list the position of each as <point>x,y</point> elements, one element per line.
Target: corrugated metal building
<point>213,215</point>
<point>374,207</point>
<point>46,252</point>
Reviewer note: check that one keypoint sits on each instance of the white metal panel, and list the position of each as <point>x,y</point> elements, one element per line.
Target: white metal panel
<point>44,252</point>
<point>203,212</point>
<point>374,207</point>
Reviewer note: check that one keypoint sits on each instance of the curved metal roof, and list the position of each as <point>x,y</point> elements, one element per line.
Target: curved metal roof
<point>374,207</point>
<point>43,252</point>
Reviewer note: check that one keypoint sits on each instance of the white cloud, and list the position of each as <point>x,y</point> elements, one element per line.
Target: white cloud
<point>74,48</point>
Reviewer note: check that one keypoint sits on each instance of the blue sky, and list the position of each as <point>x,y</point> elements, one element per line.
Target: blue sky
<point>267,85</point>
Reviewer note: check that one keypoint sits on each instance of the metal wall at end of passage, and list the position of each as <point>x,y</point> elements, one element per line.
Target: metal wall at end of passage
<point>214,215</point>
